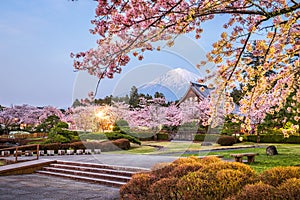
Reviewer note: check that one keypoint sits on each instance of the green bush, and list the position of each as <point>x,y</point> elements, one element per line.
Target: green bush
<point>121,123</point>
<point>61,135</point>
<point>271,132</point>
<point>226,140</point>
<point>56,138</point>
<point>92,136</point>
<point>293,139</point>
<point>108,136</point>
<point>251,138</point>
<point>272,139</point>
<point>206,137</point>
<point>162,136</point>
<point>62,125</point>
<point>115,136</point>
<point>143,136</point>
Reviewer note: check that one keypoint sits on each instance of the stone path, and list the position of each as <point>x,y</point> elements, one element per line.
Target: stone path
<point>39,187</point>
<point>130,160</point>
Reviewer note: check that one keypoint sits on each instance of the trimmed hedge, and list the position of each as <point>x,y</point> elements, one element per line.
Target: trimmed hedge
<point>109,136</point>
<point>143,136</point>
<point>225,140</point>
<point>162,136</point>
<point>206,137</point>
<point>92,136</point>
<point>293,139</point>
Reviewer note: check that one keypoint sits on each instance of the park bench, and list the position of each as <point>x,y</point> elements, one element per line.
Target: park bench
<point>238,157</point>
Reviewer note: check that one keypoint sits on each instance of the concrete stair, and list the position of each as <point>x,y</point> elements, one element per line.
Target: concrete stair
<point>109,175</point>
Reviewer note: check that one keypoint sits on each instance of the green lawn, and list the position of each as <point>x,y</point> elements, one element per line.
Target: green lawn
<point>2,163</point>
<point>289,154</point>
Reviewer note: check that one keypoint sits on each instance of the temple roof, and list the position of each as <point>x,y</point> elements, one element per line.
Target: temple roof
<point>196,89</point>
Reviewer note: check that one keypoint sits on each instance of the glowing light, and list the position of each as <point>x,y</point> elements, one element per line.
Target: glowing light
<point>100,114</point>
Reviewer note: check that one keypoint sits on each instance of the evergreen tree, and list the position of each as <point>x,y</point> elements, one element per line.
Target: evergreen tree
<point>134,97</point>
<point>159,95</point>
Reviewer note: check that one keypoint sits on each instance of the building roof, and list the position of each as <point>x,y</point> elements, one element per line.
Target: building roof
<point>196,89</point>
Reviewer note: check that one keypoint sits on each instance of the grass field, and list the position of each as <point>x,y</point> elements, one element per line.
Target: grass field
<point>289,154</point>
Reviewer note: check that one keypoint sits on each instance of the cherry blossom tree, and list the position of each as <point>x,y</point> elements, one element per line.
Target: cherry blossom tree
<point>93,118</point>
<point>84,118</point>
<point>131,26</point>
<point>27,115</point>
<point>173,116</point>
<point>150,113</point>
<point>199,112</point>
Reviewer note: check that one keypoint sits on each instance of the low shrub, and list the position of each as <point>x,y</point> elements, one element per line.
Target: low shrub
<point>56,138</point>
<point>137,188</point>
<point>123,144</point>
<point>290,189</point>
<point>277,175</point>
<point>65,146</point>
<point>257,191</point>
<point>163,136</point>
<point>143,136</point>
<point>109,136</point>
<point>116,135</point>
<point>226,140</point>
<point>77,145</point>
<point>206,137</point>
<point>190,178</point>
<point>165,188</point>
<point>121,123</point>
<point>293,139</point>
<point>272,139</point>
<point>92,136</point>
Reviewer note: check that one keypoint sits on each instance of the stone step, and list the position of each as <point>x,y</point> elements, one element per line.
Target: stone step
<point>103,166</point>
<point>93,169</point>
<point>89,174</point>
<point>83,178</point>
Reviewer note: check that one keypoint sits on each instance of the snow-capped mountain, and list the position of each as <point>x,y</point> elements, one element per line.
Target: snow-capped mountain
<point>172,84</point>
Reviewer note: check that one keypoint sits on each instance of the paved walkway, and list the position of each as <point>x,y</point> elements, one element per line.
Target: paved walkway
<point>40,187</point>
<point>132,160</point>
<point>144,161</point>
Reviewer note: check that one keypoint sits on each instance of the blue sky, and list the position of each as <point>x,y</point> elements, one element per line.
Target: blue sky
<point>36,39</point>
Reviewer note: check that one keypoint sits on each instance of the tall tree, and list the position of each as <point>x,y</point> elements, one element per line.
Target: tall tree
<point>134,97</point>
<point>124,26</point>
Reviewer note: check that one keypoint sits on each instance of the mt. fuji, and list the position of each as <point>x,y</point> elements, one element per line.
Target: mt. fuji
<point>172,84</point>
